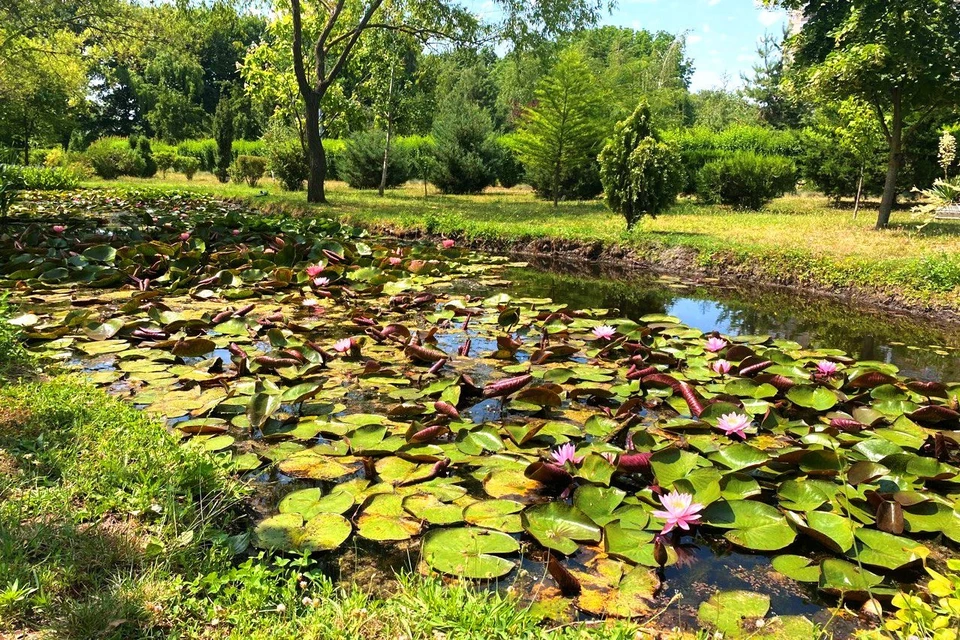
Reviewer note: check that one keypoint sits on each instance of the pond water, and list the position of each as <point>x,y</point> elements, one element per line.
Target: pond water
<point>922,347</point>
<point>400,408</point>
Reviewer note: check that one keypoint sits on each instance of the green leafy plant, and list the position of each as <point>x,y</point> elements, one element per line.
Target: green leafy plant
<point>114,157</point>
<point>361,164</point>
<point>745,180</point>
<point>11,182</point>
<point>287,160</point>
<point>187,165</point>
<point>465,155</point>
<point>223,135</point>
<point>166,160</point>
<point>640,174</point>
<point>248,169</point>
<point>936,617</point>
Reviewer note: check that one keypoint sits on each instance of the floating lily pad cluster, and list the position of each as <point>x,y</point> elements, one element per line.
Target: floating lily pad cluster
<point>486,428</point>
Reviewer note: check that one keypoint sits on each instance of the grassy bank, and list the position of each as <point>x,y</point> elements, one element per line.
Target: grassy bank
<point>109,528</point>
<point>797,240</point>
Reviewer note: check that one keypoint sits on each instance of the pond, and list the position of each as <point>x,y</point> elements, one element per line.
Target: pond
<point>642,449</point>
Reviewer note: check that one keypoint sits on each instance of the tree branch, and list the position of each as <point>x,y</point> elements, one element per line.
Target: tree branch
<point>320,50</point>
<point>883,120</point>
<point>298,68</point>
<point>348,47</point>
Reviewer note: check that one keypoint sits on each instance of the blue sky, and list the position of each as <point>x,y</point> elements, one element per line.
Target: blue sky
<point>721,34</point>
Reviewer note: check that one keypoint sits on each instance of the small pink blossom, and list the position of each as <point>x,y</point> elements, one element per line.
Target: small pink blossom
<point>185,236</point>
<point>610,457</point>
<point>58,229</point>
<point>395,262</point>
<point>827,368</point>
<point>448,244</point>
<point>722,367</point>
<point>314,270</point>
<point>604,332</point>
<point>342,346</point>
<point>321,282</point>
<point>236,232</point>
<point>716,344</point>
<point>566,453</point>
<point>734,424</point>
<point>679,510</point>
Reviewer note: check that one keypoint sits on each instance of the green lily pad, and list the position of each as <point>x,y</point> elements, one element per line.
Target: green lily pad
<point>752,525</point>
<point>502,515</point>
<point>560,526</point>
<point>469,552</point>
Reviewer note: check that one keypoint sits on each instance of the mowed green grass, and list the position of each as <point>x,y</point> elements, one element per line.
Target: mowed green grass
<point>800,239</point>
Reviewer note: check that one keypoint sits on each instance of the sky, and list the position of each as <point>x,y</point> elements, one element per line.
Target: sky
<point>721,35</point>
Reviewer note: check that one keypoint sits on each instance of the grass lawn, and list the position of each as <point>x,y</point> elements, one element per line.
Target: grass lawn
<point>798,239</point>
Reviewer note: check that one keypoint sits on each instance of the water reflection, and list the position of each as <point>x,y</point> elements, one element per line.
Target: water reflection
<point>922,349</point>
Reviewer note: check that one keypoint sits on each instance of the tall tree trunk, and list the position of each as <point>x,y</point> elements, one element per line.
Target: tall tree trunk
<point>893,165</point>
<point>856,202</point>
<point>316,156</point>
<point>386,148</point>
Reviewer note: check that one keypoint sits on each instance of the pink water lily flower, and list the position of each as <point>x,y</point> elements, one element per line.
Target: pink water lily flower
<point>236,232</point>
<point>314,270</point>
<point>342,346</point>
<point>185,236</point>
<point>604,332</point>
<point>734,424</point>
<point>58,229</point>
<point>722,367</point>
<point>827,368</point>
<point>715,344</point>
<point>679,510</point>
<point>321,282</point>
<point>448,244</point>
<point>566,453</point>
<point>395,262</point>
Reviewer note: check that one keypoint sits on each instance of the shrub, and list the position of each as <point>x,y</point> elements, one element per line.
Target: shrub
<point>287,160</point>
<point>205,151</point>
<point>746,180</point>
<point>640,174</point>
<point>145,151</point>
<point>465,153</point>
<point>699,146</point>
<point>334,149</point>
<point>248,169</point>
<point>249,148</point>
<point>10,186</point>
<point>420,152</point>
<point>165,160</point>
<point>112,157</point>
<point>362,161</point>
<point>223,134</point>
<point>50,178</point>
<point>508,167</point>
<point>187,165</point>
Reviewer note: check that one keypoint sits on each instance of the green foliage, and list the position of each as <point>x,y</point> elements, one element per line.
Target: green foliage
<point>249,148</point>
<point>13,356</point>
<point>640,174</point>
<point>465,153</point>
<point>936,616</point>
<point>361,164</point>
<point>223,135</point>
<point>420,151</point>
<point>113,157</point>
<point>746,180</point>
<point>50,178</point>
<point>205,151</point>
<point>165,160</point>
<point>11,182</point>
<point>509,168</point>
<point>248,169</point>
<point>560,135</point>
<point>187,165</point>
<point>286,160</point>
<point>145,151</point>
<point>698,146</point>
<point>835,170</point>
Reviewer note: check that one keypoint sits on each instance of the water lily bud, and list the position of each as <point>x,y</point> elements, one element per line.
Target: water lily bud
<point>281,608</point>
<point>660,552</point>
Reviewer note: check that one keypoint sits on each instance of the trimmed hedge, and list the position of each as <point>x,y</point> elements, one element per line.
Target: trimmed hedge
<point>746,180</point>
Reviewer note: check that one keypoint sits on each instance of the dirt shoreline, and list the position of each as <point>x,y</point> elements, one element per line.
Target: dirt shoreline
<point>685,262</point>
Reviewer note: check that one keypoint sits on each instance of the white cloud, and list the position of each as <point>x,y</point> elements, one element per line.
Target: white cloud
<point>705,79</point>
<point>694,38</point>
<point>706,28</point>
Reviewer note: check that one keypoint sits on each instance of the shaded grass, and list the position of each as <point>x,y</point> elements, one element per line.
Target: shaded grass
<point>798,239</point>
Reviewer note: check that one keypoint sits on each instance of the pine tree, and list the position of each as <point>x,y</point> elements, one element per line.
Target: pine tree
<point>223,134</point>
<point>561,133</point>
